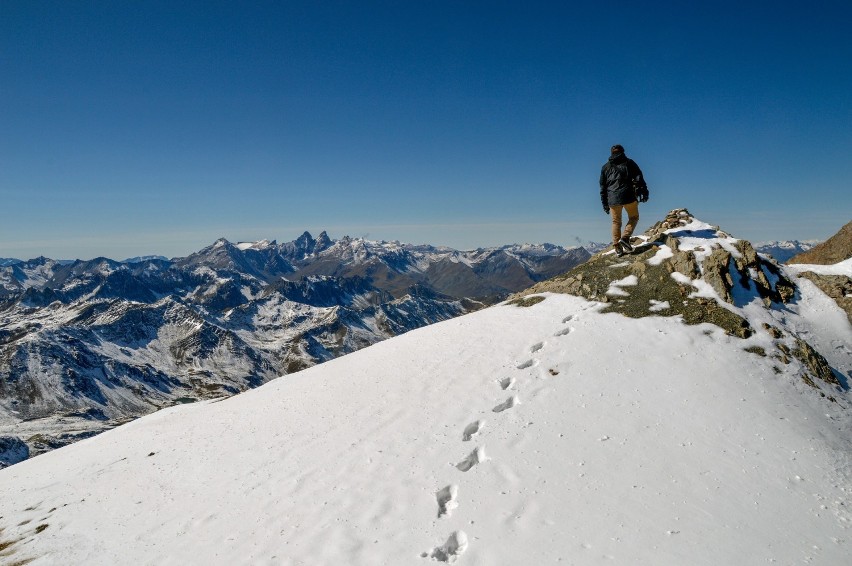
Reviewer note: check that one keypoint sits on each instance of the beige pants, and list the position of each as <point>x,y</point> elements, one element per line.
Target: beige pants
<point>632,219</point>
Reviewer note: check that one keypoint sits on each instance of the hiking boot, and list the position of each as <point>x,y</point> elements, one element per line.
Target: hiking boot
<point>619,250</point>
<point>625,244</point>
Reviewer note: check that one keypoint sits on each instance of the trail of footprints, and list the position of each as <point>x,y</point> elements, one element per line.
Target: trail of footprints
<point>447,497</point>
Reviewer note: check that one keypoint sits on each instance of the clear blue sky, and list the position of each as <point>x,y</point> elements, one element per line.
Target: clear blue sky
<point>131,128</point>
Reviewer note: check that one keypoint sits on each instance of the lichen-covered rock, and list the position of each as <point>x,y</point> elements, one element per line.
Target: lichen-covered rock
<point>675,284</point>
<point>717,273</point>
<point>655,286</point>
<point>684,262</point>
<point>815,362</point>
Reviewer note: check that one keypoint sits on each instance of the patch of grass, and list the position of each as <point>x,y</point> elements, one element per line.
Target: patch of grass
<point>756,350</point>
<point>527,301</point>
<point>41,528</point>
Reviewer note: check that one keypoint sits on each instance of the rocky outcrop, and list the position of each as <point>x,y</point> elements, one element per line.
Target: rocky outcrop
<point>834,250</point>
<point>683,267</point>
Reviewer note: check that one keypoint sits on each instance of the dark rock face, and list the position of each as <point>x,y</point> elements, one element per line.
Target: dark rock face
<point>671,264</point>
<point>12,451</point>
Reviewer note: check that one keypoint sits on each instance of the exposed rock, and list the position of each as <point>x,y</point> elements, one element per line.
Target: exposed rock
<point>527,301</point>
<point>592,280</point>
<point>815,362</point>
<point>773,331</point>
<point>674,219</point>
<point>834,250</point>
<point>717,273</point>
<point>668,287</point>
<point>684,262</point>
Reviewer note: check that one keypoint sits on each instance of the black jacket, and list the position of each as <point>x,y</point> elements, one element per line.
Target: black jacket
<point>621,181</point>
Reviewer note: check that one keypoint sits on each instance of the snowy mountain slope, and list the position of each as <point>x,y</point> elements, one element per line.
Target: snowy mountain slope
<point>67,371</point>
<point>573,430</point>
<point>87,345</point>
<point>593,438</point>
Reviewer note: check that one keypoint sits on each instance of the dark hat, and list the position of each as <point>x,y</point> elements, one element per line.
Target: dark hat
<point>616,149</point>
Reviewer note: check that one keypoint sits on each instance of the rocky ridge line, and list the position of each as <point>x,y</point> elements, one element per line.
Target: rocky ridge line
<point>684,267</point>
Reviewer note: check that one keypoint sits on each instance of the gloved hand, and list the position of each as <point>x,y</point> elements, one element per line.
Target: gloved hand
<point>643,196</point>
<point>606,209</point>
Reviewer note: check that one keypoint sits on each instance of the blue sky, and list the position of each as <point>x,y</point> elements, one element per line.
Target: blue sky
<point>131,128</point>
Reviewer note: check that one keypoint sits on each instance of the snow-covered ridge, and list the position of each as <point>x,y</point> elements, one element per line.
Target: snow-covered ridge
<point>842,268</point>
<point>501,437</point>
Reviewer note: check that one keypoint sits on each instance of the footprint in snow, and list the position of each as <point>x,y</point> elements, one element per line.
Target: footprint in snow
<point>568,318</point>
<point>527,364</point>
<point>564,331</point>
<point>447,500</point>
<point>507,404</point>
<point>472,430</point>
<point>474,458</point>
<point>507,383</point>
<point>536,347</point>
<point>454,547</point>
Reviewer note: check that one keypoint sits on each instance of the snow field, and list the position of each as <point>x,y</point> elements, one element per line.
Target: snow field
<point>616,440</point>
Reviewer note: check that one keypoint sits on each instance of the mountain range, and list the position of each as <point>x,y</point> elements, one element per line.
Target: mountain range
<point>87,345</point>
<point>784,250</point>
<point>688,403</point>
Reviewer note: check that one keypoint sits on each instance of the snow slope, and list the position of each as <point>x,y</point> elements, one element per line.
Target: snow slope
<point>540,435</point>
<point>842,268</point>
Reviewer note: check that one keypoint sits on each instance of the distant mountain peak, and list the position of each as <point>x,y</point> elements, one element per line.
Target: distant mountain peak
<point>305,240</point>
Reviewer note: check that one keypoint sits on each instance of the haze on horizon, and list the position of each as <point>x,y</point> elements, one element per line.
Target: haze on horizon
<point>158,128</point>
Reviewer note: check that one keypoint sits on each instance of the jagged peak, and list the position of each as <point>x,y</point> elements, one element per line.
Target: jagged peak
<point>219,243</point>
<point>322,242</point>
<point>305,239</point>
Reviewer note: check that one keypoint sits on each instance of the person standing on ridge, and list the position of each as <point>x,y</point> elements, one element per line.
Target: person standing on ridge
<point>621,184</point>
